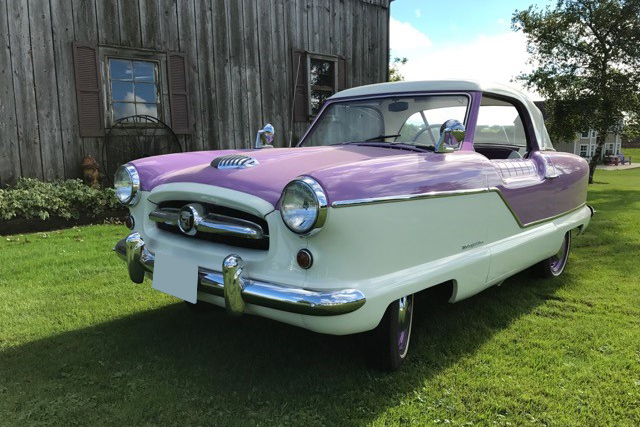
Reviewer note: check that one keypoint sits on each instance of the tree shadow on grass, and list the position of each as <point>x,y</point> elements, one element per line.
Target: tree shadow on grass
<point>172,366</point>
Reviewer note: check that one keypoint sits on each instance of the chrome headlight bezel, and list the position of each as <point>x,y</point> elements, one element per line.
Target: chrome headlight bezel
<point>133,185</point>
<point>319,200</point>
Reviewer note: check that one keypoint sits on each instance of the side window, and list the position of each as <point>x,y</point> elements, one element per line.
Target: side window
<point>500,130</point>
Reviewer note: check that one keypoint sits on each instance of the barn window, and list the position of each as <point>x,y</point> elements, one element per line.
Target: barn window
<point>133,88</point>
<point>113,83</point>
<point>315,78</point>
<point>323,77</point>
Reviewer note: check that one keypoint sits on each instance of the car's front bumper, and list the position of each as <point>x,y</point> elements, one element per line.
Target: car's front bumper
<point>238,290</point>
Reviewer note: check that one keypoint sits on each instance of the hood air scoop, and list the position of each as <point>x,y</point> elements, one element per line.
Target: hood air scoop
<point>234,161</point>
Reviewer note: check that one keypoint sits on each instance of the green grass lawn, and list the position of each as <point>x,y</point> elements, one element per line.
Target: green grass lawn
<point>81,345</point>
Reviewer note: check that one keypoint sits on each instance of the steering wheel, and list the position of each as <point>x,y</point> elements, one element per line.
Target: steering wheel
<point>421,131</point>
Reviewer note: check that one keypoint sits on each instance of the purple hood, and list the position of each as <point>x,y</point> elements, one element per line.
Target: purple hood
<point>345,172</point>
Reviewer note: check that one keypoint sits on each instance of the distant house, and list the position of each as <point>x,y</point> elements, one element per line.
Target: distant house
<point>584,144</point>
<point>215,71</point>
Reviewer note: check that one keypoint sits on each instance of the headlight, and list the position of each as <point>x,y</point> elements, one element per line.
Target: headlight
<point>303,205</point>
<point>126,184</point>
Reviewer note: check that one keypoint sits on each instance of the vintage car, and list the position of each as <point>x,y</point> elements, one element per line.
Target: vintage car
<point>394,188</point>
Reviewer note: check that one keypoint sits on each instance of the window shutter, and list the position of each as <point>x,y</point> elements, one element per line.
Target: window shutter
<point>88,90</point>
<point>178,95</point>
<point>300,76</point>
<point>342,74</point>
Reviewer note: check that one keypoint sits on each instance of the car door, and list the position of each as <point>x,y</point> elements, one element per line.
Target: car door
<point>522,179</point>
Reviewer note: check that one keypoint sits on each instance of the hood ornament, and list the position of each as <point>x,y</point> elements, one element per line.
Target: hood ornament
<point>234,161</point>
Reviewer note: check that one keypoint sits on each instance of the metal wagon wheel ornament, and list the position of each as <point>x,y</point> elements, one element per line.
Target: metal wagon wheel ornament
<point>135,137</point>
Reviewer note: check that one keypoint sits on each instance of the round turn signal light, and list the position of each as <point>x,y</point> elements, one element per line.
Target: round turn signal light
<point>304,258</point>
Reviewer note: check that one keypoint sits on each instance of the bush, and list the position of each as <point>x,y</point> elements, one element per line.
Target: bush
<point>31,198</point>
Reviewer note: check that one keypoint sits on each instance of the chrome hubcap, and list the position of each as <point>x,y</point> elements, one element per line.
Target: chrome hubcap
<point>405,317</point>
<point>559,260</point>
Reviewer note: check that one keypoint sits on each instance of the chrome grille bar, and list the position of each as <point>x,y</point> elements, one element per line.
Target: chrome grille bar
<point>213,224</point>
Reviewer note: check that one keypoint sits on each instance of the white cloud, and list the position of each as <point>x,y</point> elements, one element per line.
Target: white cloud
<point>497,58</point>
<point>407,38</point>
<point>501,21</point>
<point>418,13</point>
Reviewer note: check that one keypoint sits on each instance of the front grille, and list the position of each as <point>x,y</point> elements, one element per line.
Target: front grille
<point>227,226</point>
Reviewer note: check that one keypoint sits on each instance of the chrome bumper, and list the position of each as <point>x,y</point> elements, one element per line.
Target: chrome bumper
<point>238,290</point>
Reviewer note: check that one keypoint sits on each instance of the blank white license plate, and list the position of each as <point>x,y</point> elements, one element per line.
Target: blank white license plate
<point>175,276</point>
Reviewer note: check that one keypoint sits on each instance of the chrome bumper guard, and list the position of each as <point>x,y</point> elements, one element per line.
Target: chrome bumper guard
<point>238,290</point>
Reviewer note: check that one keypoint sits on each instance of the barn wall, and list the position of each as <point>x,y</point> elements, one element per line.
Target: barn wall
<point>240,69</point>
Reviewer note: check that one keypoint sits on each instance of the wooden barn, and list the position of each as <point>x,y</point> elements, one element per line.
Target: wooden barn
<point>213,71</point>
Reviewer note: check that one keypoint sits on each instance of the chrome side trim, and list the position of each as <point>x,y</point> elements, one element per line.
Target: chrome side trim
<point>271,295</point>
<point>406,197</point>
<point>212,223</point>
<point>451,193</point>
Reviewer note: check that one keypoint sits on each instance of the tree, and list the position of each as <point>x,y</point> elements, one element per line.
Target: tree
<point>586,57</point>
<point>394,69</point>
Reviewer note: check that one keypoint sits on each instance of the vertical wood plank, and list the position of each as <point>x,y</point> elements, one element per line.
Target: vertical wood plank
<point>108,21</point>
<point>9,148</point>
<point>168,10</point>
<point>291,44</point>
<point>130,29</point>
<point>62,47</point>
<point>238,67</point>
<point>188,45</point>
<point>357,48</point>
<point>222,68</point>
<point>85,24</point>
<point>278,68</point>
<point>208,62</point>
<point>24,90</point>
<point>253,68</point>
<point>150,25</point>
<point>347,40</point>
<point>46,90</point>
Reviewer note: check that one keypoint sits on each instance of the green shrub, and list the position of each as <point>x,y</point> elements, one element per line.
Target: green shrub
<point>31,198</point>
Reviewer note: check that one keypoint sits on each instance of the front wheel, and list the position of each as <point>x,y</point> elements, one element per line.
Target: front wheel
<point>392,335</point>
<point>555,265</point>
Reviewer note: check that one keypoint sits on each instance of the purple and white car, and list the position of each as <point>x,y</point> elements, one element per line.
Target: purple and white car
<point>394,188</point>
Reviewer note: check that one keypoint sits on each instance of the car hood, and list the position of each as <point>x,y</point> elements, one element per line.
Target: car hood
<point>345,172</point>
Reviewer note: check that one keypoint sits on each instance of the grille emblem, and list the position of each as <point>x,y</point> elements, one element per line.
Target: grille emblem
<point>234,161</point>
<point>189,218</point>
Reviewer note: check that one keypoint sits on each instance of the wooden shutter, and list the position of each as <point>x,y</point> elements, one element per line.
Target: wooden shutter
<point>178,94</point>
<point>301,96</point>
<point>88,90</point>
<point>342,74</point>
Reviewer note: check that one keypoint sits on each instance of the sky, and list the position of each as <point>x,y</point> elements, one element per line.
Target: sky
<point>469,39</point>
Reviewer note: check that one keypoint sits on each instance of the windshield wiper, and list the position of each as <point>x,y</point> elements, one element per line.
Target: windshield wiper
<point>381,137</point>
<point>360,141</point>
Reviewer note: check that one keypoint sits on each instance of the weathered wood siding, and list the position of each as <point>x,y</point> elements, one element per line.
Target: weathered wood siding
<point>240,69</point>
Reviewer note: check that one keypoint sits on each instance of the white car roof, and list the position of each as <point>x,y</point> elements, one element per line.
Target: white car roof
<point>456,85</point>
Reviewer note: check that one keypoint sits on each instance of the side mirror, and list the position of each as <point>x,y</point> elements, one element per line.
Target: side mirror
<point>264,138</point>
<point>451,135</point>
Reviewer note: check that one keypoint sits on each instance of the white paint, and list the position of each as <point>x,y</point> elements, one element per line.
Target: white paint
<point>385,250</point>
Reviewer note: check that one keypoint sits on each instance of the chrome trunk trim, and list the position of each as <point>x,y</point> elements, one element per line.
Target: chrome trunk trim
<point>239,290</point>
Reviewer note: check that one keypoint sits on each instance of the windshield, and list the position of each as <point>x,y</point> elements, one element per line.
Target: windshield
<point>412,120</point>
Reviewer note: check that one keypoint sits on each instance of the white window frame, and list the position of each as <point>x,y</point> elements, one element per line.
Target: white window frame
<point>107,52</point>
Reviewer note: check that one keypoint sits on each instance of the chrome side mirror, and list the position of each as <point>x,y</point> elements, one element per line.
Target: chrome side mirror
<point>451,135</point>
<point>264,138</point>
